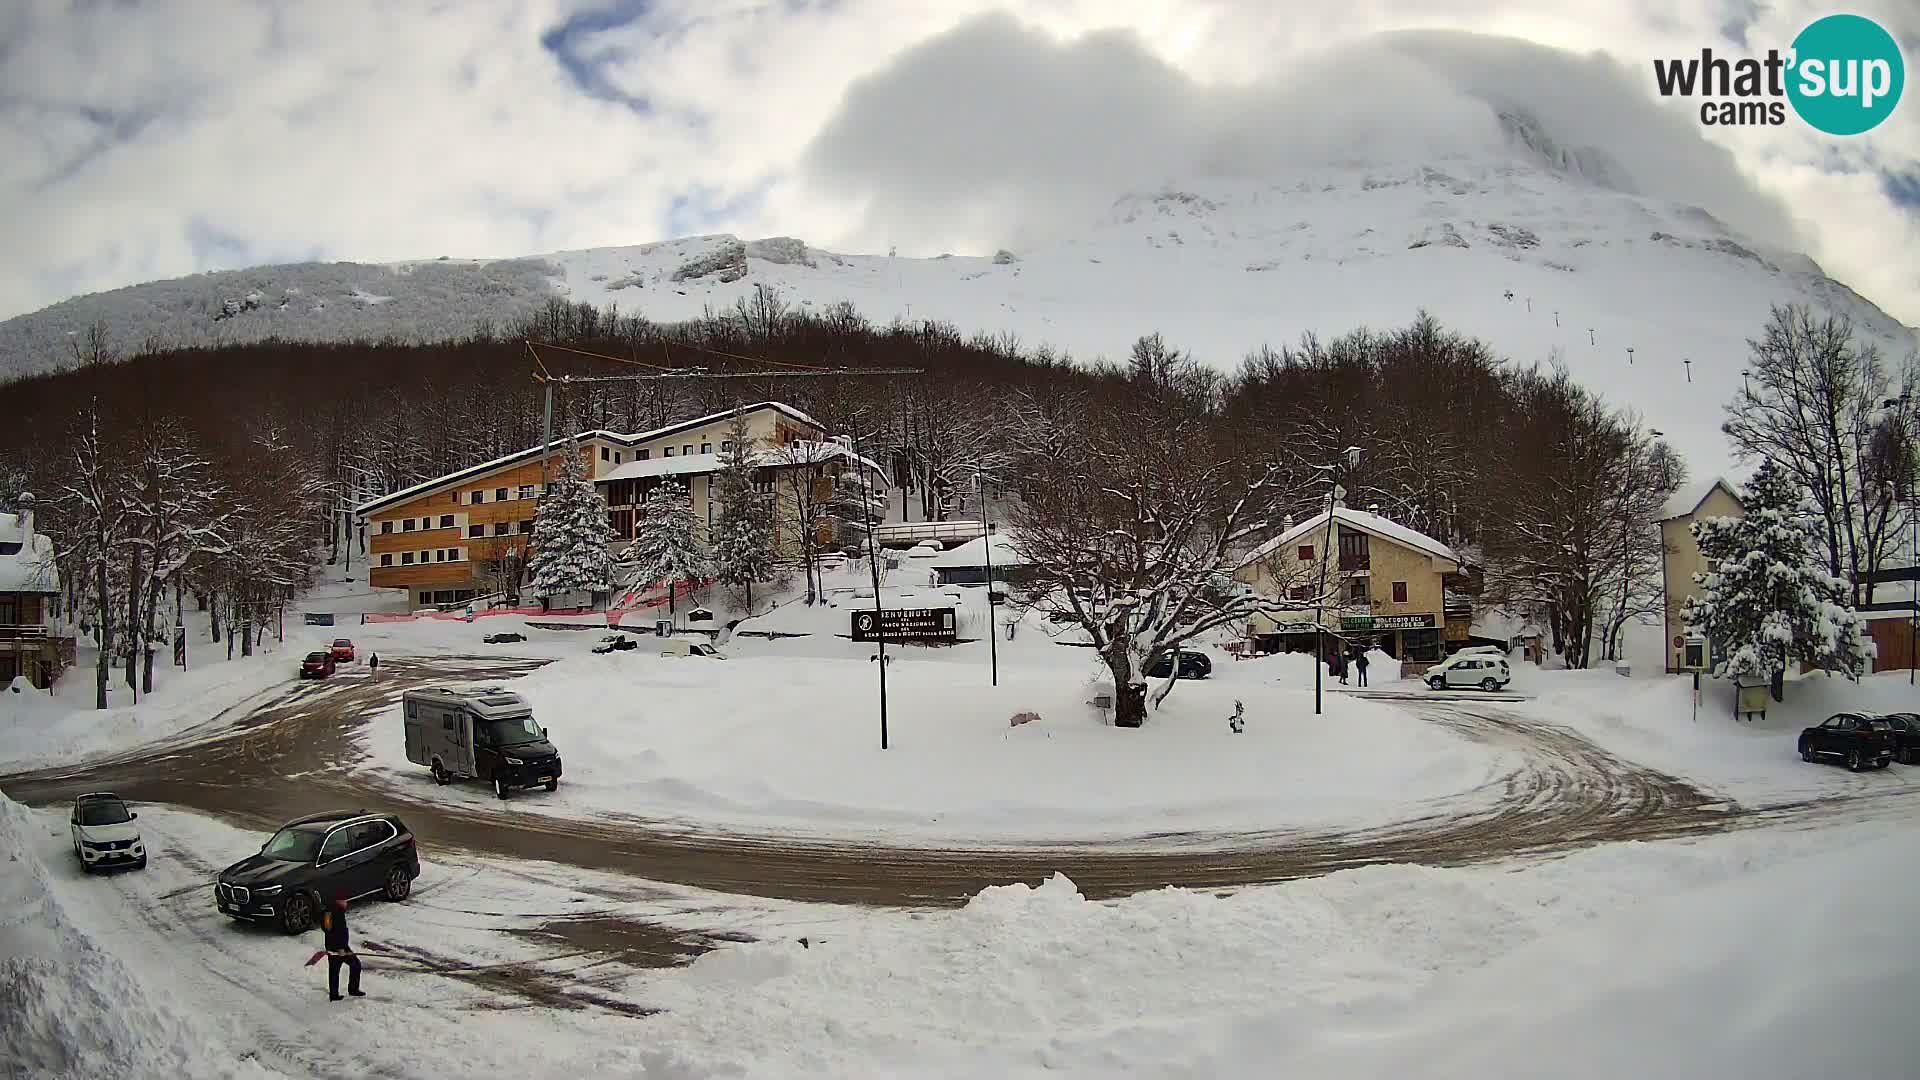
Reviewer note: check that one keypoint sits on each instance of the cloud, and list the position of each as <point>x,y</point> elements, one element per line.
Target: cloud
<point>150,140</point>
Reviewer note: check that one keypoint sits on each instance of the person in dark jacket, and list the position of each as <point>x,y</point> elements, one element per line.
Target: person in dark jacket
<point>340,951</point>
<point>373,661</point>
<point>1360,666</point>
<point>1338,663</point>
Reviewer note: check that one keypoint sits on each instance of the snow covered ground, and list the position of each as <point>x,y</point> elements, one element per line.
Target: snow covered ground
<point>1719,956</point>
<point>785,735</point>
<point>39,729</point>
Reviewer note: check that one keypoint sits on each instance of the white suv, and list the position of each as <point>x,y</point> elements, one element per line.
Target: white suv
<point>104,833</point>
<point>1470,669</point>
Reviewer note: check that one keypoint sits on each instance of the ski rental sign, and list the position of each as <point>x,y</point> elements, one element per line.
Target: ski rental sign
<point>906,624</point>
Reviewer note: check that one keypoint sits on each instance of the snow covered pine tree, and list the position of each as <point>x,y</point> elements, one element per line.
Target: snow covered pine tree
<point>1767,598</point>
<point>743,531</point>
<point>666,541</point>
<point>571,535</point>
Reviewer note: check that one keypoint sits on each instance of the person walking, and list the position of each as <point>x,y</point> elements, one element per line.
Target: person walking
<point>1360,666</point>
<point>1339,665</point>
<point>339,951</point>
<point>373,662</point>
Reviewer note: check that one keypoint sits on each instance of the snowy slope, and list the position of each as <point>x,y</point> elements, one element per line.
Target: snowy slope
<point>1219,268</point>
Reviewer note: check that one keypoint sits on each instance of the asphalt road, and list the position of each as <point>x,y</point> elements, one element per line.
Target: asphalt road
<point>284,759</point>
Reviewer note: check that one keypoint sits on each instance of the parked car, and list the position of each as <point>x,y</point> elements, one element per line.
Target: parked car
<point>342,650</point>
<point>1193,665</point>
<point>1858,739</point>
<point>678,647</point>
<point>1906,737</point>
<point>1470,669</point>
<point>314,859</point>
<point>503,639</point>
<point>487,734</point>
<point>104,834</point>
<point>615,643</point>
<point>317,665</point>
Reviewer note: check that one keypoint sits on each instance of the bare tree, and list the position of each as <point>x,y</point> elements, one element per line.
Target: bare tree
<point>90,500</point>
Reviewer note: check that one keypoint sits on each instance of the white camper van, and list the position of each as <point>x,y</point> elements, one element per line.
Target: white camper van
<point>485,734</point>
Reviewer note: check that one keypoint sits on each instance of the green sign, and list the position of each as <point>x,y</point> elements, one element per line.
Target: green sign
<point>1386,622</point>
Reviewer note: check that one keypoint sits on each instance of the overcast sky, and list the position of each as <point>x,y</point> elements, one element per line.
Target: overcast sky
<point>148,140</point>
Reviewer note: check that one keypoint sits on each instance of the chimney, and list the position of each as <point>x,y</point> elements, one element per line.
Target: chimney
<point>26,520</point>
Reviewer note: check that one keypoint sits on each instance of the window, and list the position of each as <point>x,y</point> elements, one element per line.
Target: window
<point>526,491</point>
<point>406,558</point>
<point>1305,553</point>
<point>499,494</point>
<point>605,454</point>
<point>439,555</point>
<point>726,445</point>
<point>1357,591</point>
<point>1399,592</point>
<point>641,455</point>
<point>526,526</point>
<point>339,842</point>
<point>622,523</point>
<point>616,457</point>
<point>479,497</point>
<point>501,528</point>
<point>446,521</point>
<point>706,448</point>
<point>387,559</point>
<point>476,530</point>
<point>407,525</point>
<point>1300,592</point>
<point>386,526</point>
<point>762,483</point>
<point>687,449</point>
<point>668,452</point>
<point>1353,551</point>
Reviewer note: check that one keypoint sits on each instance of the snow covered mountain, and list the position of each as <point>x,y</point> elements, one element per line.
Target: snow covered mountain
<point>1594,270</point>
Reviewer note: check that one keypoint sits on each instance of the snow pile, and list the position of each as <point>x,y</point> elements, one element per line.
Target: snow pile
<point>70,1008</point>
<point>1673,959</point>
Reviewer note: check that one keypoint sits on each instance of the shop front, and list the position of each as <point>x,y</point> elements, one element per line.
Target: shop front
<point>1414,640</point>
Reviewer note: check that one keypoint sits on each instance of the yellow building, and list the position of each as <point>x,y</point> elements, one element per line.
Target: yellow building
<point>1386,585</point>
<point>1682,559</point>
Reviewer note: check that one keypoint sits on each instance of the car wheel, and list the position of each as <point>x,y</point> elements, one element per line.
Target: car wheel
<point>500,788</point>
<point>1436,684</point>
<point>399,884</point>
<point>1489,685</point>
<point>141,864</point>
<point>1853,760</point>
<point>553,785</point>
<point>296,915</point>
<point>1806,752</point>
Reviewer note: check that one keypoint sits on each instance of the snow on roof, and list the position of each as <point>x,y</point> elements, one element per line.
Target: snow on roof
<point>1365,522</point>
<point>29,567</point>
<point>428,486</point>
<point>800,453</point>
<point>1689,497</point>
<point>974,553</point>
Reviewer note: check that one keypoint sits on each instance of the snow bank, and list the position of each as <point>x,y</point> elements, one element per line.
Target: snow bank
<point>1662,960</point>
<point>69,1007</point>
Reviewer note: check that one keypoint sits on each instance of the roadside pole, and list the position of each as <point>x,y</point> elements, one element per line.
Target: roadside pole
<point>873,562</point>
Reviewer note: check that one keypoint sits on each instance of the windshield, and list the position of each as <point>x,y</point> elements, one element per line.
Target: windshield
<point>316,656</point>
<point>510,731</point>
<point>103,813</point>
<point>293,845</point>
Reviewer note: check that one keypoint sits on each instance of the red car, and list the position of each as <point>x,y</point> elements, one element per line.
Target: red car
<point>343,649</point>
<point>317,665</point>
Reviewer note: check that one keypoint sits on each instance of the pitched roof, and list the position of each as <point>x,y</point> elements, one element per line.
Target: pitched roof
<point>428,486</point>
<point>801,453</point>
<point>1365,522</point>
<point>1689,497</point>
<point>30,566</point>
<point>974,553</point>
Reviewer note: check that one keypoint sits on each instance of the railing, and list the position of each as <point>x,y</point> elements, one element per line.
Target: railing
<point>907,533</point>
<point>23,633</point>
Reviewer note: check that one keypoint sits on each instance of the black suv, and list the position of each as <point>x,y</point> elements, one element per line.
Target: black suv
<point>1193,665</point>
<point>1906,737</point>
<point>313,861</point>
<point>1858,739</point>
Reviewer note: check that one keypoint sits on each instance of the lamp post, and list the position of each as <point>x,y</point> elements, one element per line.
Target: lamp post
<point>986,542</point>
<point>873,559</point>
<point>1334,494</point>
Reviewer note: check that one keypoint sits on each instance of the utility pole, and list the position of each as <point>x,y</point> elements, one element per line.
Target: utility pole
<point>1334,495</point>
<point>1629,356</point>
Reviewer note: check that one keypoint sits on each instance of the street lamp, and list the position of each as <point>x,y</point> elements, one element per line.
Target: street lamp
<point>986,542</point>
<point>1334,493</point>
